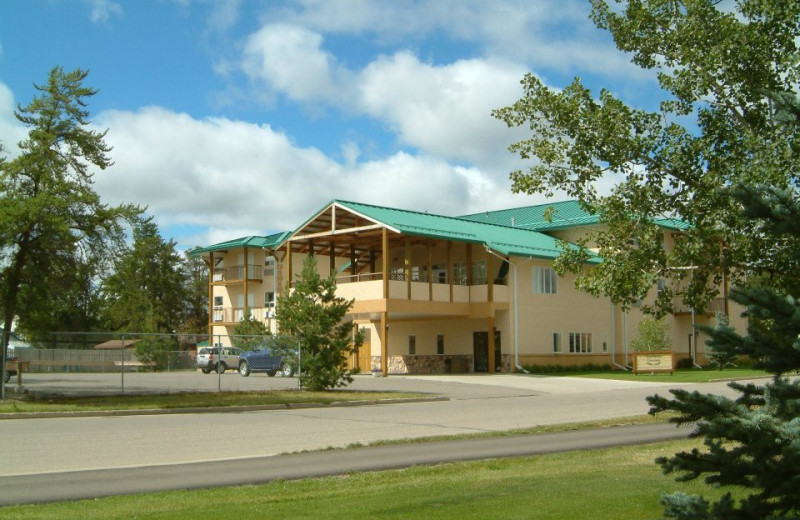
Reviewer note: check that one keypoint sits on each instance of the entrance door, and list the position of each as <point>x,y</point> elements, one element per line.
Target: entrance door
<point>480,351</point>
<point>362,357</point>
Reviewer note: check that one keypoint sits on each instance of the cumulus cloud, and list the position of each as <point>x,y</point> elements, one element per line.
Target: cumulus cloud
<point>11,131</point>
<point>236,178</point>
<point>289,60</point>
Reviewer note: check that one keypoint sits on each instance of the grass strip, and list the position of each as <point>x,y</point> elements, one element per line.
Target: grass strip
<point>194,400</point>
<point>614,483</point>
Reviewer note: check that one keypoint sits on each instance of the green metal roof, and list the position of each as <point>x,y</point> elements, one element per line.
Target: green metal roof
<point>563,215</point>
<point>503,239</point>
<point>264,242</point>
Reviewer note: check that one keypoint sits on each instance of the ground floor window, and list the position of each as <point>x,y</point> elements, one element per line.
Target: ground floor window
<point>412,345</point>
<point>580,342</point>
<point>556,342</point>
<point>440,343</point>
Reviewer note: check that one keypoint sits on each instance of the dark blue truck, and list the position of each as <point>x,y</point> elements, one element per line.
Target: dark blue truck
<point>264,360</point>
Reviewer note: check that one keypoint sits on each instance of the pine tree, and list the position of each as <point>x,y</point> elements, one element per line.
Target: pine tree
<point>316,316</point>
<point>753,442</point>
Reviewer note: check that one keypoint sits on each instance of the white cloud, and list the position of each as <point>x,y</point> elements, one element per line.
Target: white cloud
<point>103,10</point>
<point>11,131</point>
<point>290,60</point>
<point>443,110</point>
<point>237,178</point>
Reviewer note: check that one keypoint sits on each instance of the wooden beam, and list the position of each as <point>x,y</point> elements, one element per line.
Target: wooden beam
<point>384,344</point>
<point>385,263</point>
<point>450,267</point>
<point>211,300</point>
<point>430,270</point>
<point>335,232</point>
<point>407,266</point>
<point>491,345</point>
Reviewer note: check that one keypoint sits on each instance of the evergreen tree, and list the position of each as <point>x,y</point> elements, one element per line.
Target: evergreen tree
<point>249,333</point>
<point>316,317</point>
<point>146,292</point>
<point>753,442</point>
<point>50,216</point>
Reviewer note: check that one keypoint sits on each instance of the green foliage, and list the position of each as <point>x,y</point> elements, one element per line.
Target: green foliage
<point>729,77</point>
<point>720,358</point>
<point>155,350</point>
<point>751,442</point>
<point>651,334</point>
<point>147,292</point>
<point>249,333</point>
<point>52,224</point>
<point>316,317</point>
<point>559,369</point>
<point>195,272</point>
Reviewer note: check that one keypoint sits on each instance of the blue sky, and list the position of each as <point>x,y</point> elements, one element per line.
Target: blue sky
<point>238,117</point>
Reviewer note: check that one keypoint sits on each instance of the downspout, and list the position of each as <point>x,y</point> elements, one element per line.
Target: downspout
<point>516,307</point>
<point>614,341</point>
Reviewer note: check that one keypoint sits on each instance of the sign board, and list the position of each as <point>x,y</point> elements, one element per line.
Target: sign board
<point>654,361</point>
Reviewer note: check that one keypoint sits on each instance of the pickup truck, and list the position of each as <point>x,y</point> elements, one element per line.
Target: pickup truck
<point>264,360</point>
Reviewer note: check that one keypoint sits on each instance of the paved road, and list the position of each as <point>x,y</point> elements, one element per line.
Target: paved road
<point>33,448</point>
<point>48,487</point>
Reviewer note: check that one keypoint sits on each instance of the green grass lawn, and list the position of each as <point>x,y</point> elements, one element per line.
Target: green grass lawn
<point>194,400</point>
<point>685,375</point>
<point>614,483</point>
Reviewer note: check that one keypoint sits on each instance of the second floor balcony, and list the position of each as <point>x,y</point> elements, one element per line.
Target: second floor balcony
<point>238,273</point>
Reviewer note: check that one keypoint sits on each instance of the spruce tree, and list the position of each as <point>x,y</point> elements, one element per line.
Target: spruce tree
<point>752,442</point>
<point>316,317</point>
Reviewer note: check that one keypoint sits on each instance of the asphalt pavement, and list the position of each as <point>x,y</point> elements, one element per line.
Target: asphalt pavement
<point>76,485</point>
<point>42,458</point>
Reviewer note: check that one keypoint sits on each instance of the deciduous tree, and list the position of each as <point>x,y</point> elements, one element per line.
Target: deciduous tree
<point>723,67</point>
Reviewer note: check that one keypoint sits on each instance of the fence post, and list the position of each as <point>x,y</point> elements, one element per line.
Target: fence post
<point>122,365</point>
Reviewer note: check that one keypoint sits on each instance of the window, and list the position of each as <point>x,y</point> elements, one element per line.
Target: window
<point>479,273</point>
<point>544,280</point>
<point>440,343</point>
<point>269,266</point>
<point>439,273</point>
<point>269,299</point>
<point>580,342</point>
<point>459,273</point>
<point>412,345</point>
<point>661,285</point>
<point>556,342</point>
<point>217,301</point>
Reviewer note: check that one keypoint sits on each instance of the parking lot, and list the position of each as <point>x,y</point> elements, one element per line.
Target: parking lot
<point>470,386</point>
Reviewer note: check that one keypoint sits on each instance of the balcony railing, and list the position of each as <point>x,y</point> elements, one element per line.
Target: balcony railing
<point>236,314</point>
<point>714,306</point>
<point>236,273</point>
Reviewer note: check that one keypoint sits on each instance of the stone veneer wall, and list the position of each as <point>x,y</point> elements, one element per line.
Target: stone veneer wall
<point>437,364</point>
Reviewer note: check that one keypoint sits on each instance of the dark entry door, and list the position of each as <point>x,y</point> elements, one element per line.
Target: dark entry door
<point>480,351</point>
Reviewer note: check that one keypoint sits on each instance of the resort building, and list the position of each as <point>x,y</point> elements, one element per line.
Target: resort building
<point>439,294</point>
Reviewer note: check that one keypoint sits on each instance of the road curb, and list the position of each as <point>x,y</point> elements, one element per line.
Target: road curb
<point>216,409</point>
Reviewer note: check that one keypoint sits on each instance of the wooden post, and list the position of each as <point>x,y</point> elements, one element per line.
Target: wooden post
<point>288,266</point>
<point>385,263</point>
<point>430,270</point>
<point>246,309</point>
<point>332,256</point>
<point>489,277</point>
<point>211,299</point>
<point>492,367</point>
<point>450,268</point>
<point>353,261</point>
<point>384,344</point>
<point>407,266</point>
<point>469,264</point>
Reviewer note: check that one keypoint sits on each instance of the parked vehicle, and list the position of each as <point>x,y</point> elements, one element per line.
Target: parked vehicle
<point>10,371</point>
<point>264,360</point>
<point>210,358</point>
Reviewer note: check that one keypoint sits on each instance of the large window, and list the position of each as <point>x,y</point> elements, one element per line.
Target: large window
<point>580,342</point>
<point>479,272</point>
<point>459,273</point>
<point>544,280</point>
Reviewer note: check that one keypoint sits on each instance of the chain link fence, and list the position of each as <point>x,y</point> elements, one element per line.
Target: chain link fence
<point>106,363</point>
